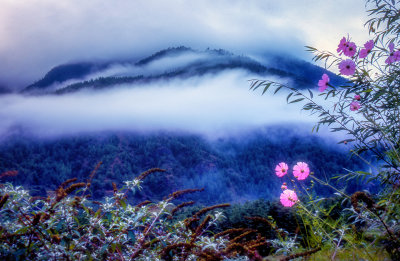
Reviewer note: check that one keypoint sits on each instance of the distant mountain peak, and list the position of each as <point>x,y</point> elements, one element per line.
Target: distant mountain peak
<point>170,63</point>
<point>64,72</point>
<point>165,52</point>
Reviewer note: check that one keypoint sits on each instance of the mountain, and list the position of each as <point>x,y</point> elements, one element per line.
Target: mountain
<point>179,62</point>
<point>63,73</point>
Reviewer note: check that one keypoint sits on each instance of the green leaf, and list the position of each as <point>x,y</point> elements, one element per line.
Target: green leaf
<point>266,87</point>
<point>277,89</point>
<point>297,100</point>
<point>21,230</point>
<point>338,129</point>
<point>364,173</point>
<point>113,247</point>
<point>311,94</point>
<point>290,94</point>
<point>123,203</point>
<point>76,220</point>
<point>256,85</point>
<point>97,213</point>
<point>310,49</point>
<point>346,141</point>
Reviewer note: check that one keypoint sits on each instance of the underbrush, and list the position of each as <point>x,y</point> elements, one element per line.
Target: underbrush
<point>68,225</point>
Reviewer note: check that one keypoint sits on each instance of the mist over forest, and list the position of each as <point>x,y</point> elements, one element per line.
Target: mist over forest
<point>184,110</point>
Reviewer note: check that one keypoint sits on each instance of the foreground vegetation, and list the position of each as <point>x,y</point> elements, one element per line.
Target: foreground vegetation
<point>68,225</point>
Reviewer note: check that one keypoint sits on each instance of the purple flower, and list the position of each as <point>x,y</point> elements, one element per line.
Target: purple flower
<point>323,83</point>
<point>350,49</point>
<point>354,106</point>
<point>394,56</point>
<point>347,67</point>
<point>368,47</point>
<point>346,47</point>
<point>342,46</point>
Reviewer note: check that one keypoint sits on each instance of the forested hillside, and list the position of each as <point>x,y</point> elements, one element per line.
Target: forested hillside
<point>232,169</point>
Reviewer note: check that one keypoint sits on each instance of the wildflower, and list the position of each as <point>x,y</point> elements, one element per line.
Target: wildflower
<point>346,47</point>
<point>284,186</point>
<point>350,49</point>
<point>323,83</point>
<point>357,97</point>
<point>394,56</point>
<point>281,169</point>
<point>368,47</point>
<point>288,198</point>
<point>342,46</point>
<point>301,171</point>
<point>347,67</point>
<point>354,106</point>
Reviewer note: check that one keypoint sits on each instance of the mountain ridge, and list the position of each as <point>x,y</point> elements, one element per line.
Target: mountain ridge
<point>209,61</point>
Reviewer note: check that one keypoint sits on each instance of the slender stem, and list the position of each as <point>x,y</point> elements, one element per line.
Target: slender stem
<point>329,185</point>
<point>337,245</point>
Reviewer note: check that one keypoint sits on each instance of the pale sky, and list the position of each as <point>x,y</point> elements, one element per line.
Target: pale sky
<point>37,35</point>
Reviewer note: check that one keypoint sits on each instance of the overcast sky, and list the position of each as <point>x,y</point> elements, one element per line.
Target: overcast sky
<point>36,35</point>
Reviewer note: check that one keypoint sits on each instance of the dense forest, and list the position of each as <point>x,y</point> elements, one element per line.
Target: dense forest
<point>231,169</point>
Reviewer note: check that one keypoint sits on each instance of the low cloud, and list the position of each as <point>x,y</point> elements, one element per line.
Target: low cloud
<point>212,105</point>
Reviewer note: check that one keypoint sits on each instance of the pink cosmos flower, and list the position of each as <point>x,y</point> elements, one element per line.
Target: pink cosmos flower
<point>347,67</point>
<point>342,46</point>
<point>354,106</point>
<point>394,56</point>
<point>288,198</point>
<point>350,49</point>
<point>368,47</point>
<point>346,47</point>
<point>301,171</point>
<point>323,83</point>
<point>281,169</point>
<point>357,97</point>
<point>284,186</point>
